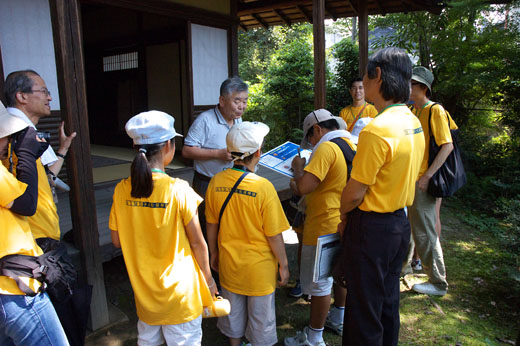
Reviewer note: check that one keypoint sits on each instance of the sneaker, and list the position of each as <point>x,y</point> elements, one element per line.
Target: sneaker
<point>429,289</point>
<point>301,339</point>
<point>296,291</point>
<point>335,327</point>
<point>417,265</point>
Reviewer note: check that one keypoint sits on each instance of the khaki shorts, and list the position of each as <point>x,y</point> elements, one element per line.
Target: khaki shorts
<point>252,316</point>
<point>188,333</point>
<point>321,288</point>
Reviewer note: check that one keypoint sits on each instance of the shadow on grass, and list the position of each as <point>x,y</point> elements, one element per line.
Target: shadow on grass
<point>481,307</point>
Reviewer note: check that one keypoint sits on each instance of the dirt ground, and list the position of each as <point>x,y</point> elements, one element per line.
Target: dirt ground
<point>120,295</point>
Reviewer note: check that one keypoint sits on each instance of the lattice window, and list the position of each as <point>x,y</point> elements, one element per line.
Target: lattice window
<point>120,62</point>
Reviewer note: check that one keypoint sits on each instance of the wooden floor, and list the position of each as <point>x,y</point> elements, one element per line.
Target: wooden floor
<point>104,191</point>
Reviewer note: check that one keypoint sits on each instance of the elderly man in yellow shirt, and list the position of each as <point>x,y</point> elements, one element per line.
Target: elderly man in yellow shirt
<point>377,233</point>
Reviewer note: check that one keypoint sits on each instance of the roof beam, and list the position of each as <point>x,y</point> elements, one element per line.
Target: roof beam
<point>352,7</point>
<point>268,5</point>
<point>332,13</point>
<point>243,27</point>
<point>260,21</point>
<point>282,16</point>
<point>302,11</point>
<point>380,8</point>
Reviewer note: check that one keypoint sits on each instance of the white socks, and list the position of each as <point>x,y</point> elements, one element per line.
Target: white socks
<point>337,314</point>
<point>315,335</point>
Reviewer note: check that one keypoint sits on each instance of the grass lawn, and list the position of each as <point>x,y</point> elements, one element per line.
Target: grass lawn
<point>482,306</point>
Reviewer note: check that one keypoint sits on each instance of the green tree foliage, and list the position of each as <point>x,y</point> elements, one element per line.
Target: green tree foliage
<point>346,55</point>
<point>475,60</point>
<point>282,81</point>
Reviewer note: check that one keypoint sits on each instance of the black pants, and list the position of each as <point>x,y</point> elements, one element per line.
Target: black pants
<point>375,246</point>
<point>200,185</point>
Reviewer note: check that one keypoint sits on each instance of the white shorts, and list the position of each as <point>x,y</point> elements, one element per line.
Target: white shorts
<point>321,288</point>
<point>252,316</point>
<point>188,333</point>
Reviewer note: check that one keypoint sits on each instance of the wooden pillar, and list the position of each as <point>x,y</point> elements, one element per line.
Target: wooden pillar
<point>2,79</point>
<point>233,41</point>
<point>70,64</point>
<point>363,36</point>
<point>318,17</point>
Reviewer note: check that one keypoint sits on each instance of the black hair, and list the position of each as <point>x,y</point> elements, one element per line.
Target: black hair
<point>354,80</point>
<point>231,85</point>
<point>140,170</point>
<point>396,72</point>
<point>18,81</point>
<point>331,124</point>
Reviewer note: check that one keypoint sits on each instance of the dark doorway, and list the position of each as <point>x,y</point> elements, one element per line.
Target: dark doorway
<point>133,63</point>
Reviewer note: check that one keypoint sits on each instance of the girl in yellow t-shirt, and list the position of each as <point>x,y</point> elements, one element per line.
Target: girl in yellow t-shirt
<point>154,220</point>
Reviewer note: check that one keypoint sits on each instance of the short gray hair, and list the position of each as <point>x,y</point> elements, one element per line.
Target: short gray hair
<point>18,81</point>
<point>231,85</point>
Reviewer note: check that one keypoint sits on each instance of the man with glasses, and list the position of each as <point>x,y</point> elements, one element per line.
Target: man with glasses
<point>28,99</point>
<point>205,143</point>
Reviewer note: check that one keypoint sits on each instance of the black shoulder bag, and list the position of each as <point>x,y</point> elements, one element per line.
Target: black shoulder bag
<point>233,189</point>
<point>451,175</point>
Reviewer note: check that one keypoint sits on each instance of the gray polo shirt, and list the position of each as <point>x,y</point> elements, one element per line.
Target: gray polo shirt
<point>209,131</point>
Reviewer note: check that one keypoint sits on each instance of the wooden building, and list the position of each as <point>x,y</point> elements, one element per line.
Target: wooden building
<point>106,60</point>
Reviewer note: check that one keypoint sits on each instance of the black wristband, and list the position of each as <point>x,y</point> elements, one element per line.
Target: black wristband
<point>61,155</point>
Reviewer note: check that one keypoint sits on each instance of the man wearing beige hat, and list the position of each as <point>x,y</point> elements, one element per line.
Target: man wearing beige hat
<point>245,224</point>
<point>25,318</point>
<point>29,99</point>
<point>321,182</point>
<point>422,213</point>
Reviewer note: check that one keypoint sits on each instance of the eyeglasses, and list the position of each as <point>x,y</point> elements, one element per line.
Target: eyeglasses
<point>44,90</point>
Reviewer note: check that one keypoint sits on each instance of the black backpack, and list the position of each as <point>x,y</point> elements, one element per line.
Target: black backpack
<point>348,153</point>
<point>54,269</point>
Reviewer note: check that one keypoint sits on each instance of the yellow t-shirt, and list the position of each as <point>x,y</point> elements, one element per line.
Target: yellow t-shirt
<point>322,213</point>
<point>168,284</point>
<point>15,234</point>
<point>350,113</point>
<point>389,155</point>
<point>45,223</point>
<point>247,265</point>
<point>440,129</point>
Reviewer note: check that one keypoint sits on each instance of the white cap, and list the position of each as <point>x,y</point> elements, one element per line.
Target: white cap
<point>151,127</point>
<point>9,124</point>
<point>360,124</point>
<point>316,117</point>
<point>246,138</point>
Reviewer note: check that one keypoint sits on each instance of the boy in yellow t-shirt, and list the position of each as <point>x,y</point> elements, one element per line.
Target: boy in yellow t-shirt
<point>321,182</point>
<point>154,220</point>
<point>23,317</point>
<point>247,249</point>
